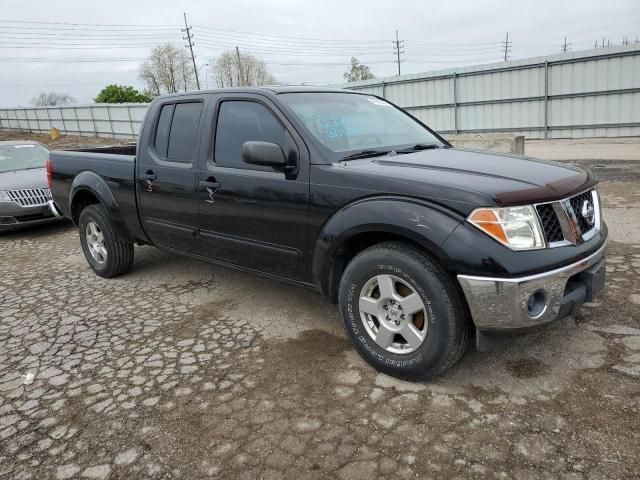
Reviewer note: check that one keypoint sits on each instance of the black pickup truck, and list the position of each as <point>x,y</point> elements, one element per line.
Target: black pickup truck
<point>419,243</point>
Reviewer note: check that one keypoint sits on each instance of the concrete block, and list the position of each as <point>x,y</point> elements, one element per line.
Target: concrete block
<point>495,143</point>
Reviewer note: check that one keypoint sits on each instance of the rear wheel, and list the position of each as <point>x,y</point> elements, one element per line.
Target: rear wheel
<point>402,311</point>
<point>107,255</point>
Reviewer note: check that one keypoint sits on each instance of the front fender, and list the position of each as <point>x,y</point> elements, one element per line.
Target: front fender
<point>420,221</point>
<point>93,183</point>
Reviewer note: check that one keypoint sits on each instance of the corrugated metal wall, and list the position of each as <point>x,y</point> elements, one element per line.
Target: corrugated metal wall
<point>112,120</point>
<point>584,94</point>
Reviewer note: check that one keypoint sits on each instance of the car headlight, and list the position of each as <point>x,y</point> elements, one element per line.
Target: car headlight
<point>516,227</point>
<point>4,197</point>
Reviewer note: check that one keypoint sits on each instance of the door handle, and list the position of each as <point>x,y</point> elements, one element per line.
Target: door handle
<point>209,184</point>
<point>148,179</point>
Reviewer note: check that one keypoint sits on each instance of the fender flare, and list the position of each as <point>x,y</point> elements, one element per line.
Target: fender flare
<point>93,183</point>
<point>422,222</point>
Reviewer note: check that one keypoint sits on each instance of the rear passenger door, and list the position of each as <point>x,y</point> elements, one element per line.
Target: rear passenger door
<point>167,174</point>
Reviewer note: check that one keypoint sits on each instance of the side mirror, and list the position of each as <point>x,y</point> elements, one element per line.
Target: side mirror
<point>265,154</point>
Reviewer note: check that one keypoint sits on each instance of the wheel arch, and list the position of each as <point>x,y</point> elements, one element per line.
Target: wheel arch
<point>372,221</point>
<point>88,188</point>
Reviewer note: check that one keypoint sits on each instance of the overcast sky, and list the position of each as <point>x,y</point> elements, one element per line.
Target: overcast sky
<point>77,49</point>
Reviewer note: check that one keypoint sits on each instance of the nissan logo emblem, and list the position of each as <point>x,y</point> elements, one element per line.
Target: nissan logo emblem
<point>588,213</point>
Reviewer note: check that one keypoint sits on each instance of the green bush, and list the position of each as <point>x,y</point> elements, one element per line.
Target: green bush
<point>121,94</point>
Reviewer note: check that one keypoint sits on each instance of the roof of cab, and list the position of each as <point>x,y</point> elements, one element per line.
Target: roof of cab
<point>275,89</point>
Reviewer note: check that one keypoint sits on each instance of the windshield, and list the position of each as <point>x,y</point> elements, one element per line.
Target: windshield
<point>346,122</point>
<point>22,157</point>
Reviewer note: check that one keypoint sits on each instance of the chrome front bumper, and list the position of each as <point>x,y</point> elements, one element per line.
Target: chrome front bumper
<point>23,216</point>
<point>506,303</point>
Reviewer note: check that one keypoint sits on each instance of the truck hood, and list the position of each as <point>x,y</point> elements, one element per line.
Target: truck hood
<point>507,179</point>
<point>21,179</point>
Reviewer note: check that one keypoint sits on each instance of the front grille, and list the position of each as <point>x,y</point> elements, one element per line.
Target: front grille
<point>571,226</point>
<point>576,205</point>
<point>550,223</point>
<point>30,197</point>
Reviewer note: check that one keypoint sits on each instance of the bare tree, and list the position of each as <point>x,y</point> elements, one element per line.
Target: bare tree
<point>167,70</point>
<point>52,99</point>
<point>236,69</point>
<point>359,71</point>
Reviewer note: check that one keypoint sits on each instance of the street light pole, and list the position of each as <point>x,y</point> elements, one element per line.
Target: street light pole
<point>206,74</point>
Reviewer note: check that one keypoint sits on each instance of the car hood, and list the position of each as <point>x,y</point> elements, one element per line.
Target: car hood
<point>22,179</point>
<point>507,179</point>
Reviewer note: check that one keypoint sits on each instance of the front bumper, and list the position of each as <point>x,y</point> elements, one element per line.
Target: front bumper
<point>511,304</point>
<point>24,216</point>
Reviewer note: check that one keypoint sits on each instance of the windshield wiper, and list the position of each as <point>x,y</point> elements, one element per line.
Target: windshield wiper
<point>418,147</point>
<point>365,154</point>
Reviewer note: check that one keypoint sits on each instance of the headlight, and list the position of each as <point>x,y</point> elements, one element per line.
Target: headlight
<point>4,197</point>
<point>516,227</point>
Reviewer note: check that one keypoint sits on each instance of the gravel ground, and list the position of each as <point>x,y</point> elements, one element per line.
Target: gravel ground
<point>182,369</point>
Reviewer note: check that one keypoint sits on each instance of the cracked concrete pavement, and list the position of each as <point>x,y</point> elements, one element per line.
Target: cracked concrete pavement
<point>182,369</point>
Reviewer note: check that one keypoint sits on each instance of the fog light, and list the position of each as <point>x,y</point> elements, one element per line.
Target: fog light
<point>536,304</point>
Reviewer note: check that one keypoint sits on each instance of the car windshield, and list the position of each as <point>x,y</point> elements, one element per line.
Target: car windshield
<point>22,157</point>
<point>351,123</point>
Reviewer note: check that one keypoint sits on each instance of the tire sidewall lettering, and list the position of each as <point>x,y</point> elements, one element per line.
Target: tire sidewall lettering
<point>363,338</point>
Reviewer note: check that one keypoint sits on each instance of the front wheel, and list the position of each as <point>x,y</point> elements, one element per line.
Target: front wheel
<point>107,255</point>
<point>403,311</point>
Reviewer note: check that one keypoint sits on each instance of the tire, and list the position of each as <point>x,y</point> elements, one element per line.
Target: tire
<point>117,256</point>
<point>436,336</point>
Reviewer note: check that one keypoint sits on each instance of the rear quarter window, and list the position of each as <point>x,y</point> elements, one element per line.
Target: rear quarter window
<point>162,131</point>
<point>177,130</point>
<point>184,130</point>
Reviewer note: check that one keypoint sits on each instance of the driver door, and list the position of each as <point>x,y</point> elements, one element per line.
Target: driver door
<point>253,216</point>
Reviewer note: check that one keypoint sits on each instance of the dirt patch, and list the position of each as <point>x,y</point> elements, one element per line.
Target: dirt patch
<point>527,368</point>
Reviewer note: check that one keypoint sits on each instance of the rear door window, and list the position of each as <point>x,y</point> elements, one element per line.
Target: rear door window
<point>162,132</point>
<point>177,131</point>
<point>184,131</point>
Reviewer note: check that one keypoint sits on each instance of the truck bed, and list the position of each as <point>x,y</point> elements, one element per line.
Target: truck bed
<point>127,149</point>
<point>108,171</point>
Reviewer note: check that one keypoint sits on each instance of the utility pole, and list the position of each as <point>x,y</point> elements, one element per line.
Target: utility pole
<point>187,29</point>
<point>595,45</point>
<point>397,45</point>
<point>566,46</point>
<point>239,66</point>
<point>507,47</point>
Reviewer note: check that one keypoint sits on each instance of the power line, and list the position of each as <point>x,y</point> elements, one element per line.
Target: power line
<point>75,46</point>
<point>397,45</point>
<point>69,60</point>
<point>84,36</point>
<point>341,41</point>
<point>138,25</point>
